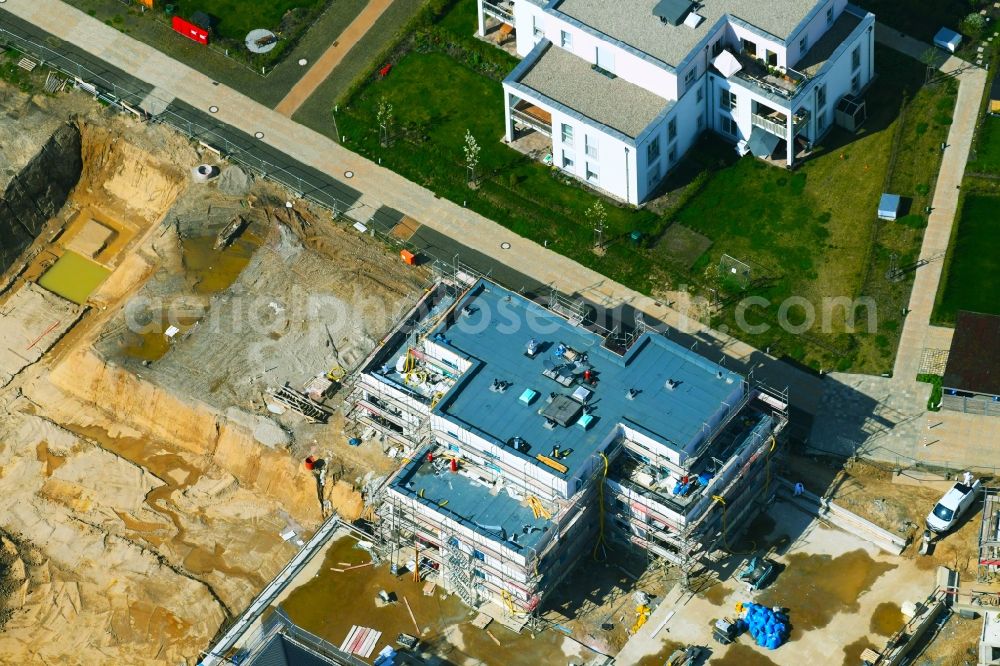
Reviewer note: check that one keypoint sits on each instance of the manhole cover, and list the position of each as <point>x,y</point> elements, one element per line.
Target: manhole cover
<point>348,174</point>
<point>258,135</point>
<point>213,109</point>
<point>505,246</point>
<point>303,62</point>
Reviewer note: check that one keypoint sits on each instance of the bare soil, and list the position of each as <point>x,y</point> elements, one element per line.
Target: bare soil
<point>145,482</point>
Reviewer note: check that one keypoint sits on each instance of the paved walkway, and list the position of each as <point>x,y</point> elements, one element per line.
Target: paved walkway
<point>322,68</point>
<point>944,205</point>
<point>885,418</point>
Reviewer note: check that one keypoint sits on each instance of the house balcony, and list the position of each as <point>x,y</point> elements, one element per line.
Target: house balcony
<point>501,11</point>
<point>532,116</point>
<point>777,123</point>
<point>783,84</point>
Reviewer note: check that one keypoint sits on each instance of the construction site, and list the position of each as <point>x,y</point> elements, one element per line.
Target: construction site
<point>233,423</point>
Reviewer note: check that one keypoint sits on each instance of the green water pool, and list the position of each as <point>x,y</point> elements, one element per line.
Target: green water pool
<point>74,277</point>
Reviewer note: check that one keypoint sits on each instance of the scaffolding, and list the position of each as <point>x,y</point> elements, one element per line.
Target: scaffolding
<point>989,538</point>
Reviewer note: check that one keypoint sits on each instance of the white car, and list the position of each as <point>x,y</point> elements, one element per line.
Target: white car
<point>951,507</point>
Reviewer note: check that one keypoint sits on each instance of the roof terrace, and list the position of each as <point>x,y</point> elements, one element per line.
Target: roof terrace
<point>470,502</point>
<point>572,393</point>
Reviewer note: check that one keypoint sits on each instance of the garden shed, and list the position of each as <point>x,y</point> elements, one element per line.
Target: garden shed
<point>888,206</point>
<point>850,113</point>
<point>947,40</point>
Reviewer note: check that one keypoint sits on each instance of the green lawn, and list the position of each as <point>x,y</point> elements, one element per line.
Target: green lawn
<point>972,267</point>
<point>809,233</point>
<point>987,148</point>
<point>521,193</point>
<point>238,17</point>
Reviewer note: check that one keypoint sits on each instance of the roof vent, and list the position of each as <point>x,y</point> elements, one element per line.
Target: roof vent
<point>718,375</point>
<point>671,384</point>
<point>693,20</point>
<point>672,11</point>
<point>630,394</point>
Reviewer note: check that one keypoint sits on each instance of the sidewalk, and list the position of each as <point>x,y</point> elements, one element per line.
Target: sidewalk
<point>322,68</point>
<point>383,187</point>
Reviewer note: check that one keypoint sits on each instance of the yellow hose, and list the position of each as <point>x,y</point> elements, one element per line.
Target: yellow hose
<point>601,544</point>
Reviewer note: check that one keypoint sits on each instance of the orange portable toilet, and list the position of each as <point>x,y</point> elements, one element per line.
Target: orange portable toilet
<point>408,257</point>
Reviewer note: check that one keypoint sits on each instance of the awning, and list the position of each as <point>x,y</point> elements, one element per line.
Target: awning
<point>727,63</point>
<point>762,143</point>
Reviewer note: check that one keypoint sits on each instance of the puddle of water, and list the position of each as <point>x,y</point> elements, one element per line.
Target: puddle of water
<point>74,277</point>
<point>211,270</point>
<point>742,655</point>
<point>816,587</point>
<point>716,594</point>
<point>51,460</point>
<point>152,344</point>
<point>887,619</point>
<point>660,658</point>
<point>852,652</point>
<point>331,602</point>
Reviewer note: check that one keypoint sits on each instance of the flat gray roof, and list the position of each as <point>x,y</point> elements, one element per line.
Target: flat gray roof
<point>821,51</point>
<point>632,22</point>
<point>571,81</point>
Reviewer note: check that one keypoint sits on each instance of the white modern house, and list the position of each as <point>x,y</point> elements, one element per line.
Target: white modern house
<point>624,88</point>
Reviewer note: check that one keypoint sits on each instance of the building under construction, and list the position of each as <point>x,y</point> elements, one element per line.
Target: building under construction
<point>531,440</point>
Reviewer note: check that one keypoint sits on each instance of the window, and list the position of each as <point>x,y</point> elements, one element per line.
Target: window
<point>672,155</point>
<point>478,574</point>
<point>821,95</point>
<point>727,124</point>
<point>727,100</point>
<point>717,47</point>
<point>829,15</point>
<point>479,555</point>
<point>590,144</point>
<point>605,59</point>
<point>701,121</point>
<point>689,77</point>
<point>749,48</point>
<point>535,28</point>
<point>672,129</point>
<point>653,150</point>
<point>567,162</point>
<point>700,95</point>
<point>856,57</point>
<point>856,82</point>
<point>567,134</point>
<point>654,176</point>
<point>771,57</point>
<point>593,176</point>
<point>821,120</point>
<point>565,39</point>
<point>803,44</point>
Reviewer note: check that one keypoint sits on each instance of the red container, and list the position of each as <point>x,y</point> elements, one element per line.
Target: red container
<point>454,464</point>
<point>310,462</point>
<point>430,457</point>
<point>189,30</point>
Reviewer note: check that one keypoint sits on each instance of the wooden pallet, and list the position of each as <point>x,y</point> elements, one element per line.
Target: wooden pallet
<point>27,64</point>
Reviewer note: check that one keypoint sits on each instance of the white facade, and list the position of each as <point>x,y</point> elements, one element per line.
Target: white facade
<point>765,105</point>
